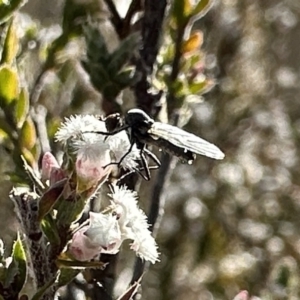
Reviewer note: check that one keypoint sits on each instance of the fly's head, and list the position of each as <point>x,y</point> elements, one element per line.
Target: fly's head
<point>113,122</point>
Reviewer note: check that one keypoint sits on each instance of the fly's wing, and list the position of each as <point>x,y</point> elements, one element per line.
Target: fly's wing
<point>185,140</point>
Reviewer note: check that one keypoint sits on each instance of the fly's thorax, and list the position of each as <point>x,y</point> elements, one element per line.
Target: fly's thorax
<point>138,120</point>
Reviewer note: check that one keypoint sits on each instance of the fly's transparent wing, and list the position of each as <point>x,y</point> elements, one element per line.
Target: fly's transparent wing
<point>185,140</point>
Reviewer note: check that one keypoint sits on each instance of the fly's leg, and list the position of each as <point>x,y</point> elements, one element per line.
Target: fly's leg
<point>153,157</point>
<point>144,162</point>
<point>139,171</point>
<point>109,132</point>
<point>145,165</point>
<point>122,158</point>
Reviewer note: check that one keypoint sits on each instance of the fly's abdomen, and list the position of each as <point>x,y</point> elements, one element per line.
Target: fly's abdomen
<point>186,156</point>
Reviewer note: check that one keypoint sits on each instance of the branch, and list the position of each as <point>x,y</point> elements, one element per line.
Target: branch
<point>27,210</point>
<point>151,36</point>
<point>115,17</point>
<point>39,115</point>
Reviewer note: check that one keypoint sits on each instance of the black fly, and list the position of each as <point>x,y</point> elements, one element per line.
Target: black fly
<point>142,131</point>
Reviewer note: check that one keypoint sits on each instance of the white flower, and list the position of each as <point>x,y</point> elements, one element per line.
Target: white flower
<point>133,223</point>
<point>104,231</point>
<point>74,126</point>
<point>79,133</point>
<point>102,235</point>
<point>145,247</point>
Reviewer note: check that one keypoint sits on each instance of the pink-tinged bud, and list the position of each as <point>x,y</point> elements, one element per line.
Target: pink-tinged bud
<point>81,247</point>
<point>242,295</point>
<point>91,170</point>
<point>51,169</point>
<point>56,175</point>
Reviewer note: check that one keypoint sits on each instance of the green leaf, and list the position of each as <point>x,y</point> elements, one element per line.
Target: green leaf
<point>69,211</point>
<point>50,230</point>
<point>66,276</point>
<point>75,264</point>
<point>10,47</point>
<point>123,53</point>
<point>19,256</point>
<point>181,11</point>
<point>125,78</point>
<point>201,87</point>
<point>197,87</point>
<point>7,8</point>
<point>16,272</point>
<point>9,86</point>
<point>50,198</point>
<point>97,51</point>
<point>21,108</point>
<point>99,77</point>
<point>27,139</point>
<point>201,8</point>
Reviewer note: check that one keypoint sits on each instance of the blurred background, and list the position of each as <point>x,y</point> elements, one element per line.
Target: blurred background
<point>228,225</point>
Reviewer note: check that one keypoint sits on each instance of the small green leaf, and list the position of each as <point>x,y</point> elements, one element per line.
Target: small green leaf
<point>19,256</point>
<point>50,198</point>
<point>201,87</point>
<point>125,78</point>
<point>71,208</point>
<point>21,108</point>
<point>9,86</point>
<point>197,87</point>
<point>16,272</point>
<point>75,264</point>
<point>50,230</point>
<point>97,51</point>
<point>10,47</point>
<point>181,11</point>
<point>27,139</point>
<point>66,276</point>
<point>123,53</point>
<point>201,8</point>
<point>99,77</point>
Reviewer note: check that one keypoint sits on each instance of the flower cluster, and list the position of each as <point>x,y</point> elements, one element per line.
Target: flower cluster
<point>106,232</point>
<point>94,154</point>
<point>89,157</point>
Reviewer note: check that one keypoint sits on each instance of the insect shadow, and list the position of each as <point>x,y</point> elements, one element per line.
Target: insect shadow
<point>143,130</point>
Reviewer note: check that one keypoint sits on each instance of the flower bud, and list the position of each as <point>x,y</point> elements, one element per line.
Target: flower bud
<point>81,247</point>
<point>49,162</point>
<point>91,170</point>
